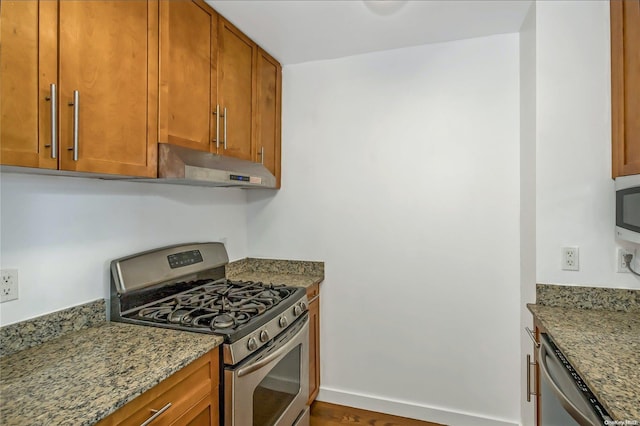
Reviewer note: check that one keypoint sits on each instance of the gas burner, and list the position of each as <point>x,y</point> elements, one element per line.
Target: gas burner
<point>220,306</point>
<point>179,316</point>
<point>223,321</point>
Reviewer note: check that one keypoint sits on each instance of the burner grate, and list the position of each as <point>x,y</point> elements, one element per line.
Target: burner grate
<point>220,306</point>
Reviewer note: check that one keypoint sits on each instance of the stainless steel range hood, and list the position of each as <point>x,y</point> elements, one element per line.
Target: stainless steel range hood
<point>184,166</point>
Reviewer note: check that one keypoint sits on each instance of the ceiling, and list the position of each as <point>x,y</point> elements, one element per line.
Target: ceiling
<point>295,31</point>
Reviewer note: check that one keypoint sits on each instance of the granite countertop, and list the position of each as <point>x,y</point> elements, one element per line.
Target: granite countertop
<point>271,271</point>
<point>83,376</point>
<point>72,367</point>
<point>604,348</point>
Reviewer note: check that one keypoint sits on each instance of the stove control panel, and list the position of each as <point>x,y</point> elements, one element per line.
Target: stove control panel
<point>185,258</point>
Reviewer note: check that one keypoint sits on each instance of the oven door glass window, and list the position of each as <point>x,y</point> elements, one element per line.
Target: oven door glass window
<point>278,389</point>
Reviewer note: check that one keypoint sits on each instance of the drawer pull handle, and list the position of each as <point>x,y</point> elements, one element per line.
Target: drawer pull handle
<point>529,365</point>
<point>156,414</point>
<point>533,337</point>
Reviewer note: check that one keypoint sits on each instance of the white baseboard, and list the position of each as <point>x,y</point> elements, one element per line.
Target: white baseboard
<point>407,409</point>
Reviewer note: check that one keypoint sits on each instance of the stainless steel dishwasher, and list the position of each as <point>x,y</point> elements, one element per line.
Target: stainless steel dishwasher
<point>566,399</point>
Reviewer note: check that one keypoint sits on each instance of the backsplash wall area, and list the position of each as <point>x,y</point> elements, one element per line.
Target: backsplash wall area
<point>60,232</point>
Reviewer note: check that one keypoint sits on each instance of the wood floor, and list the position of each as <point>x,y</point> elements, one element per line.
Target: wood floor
<point>324,414</point>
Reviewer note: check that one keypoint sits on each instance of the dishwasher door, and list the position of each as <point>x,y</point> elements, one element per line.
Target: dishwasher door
<point>561,381</point>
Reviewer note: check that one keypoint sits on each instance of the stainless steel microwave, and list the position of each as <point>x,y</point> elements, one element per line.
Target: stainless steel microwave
<point>628,208</point>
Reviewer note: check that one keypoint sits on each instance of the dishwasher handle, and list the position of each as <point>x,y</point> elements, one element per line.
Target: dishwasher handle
<point>545,356</point>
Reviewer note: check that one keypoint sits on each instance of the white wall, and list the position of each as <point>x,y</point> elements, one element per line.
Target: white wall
<point>575,192</point>
<point>401,171</point>
<point>61,233</point>
<point>527,200</point>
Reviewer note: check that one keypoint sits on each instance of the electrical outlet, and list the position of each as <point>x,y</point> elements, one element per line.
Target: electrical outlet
<point>621,265</point>
<point>570,259</point>
<point>8,285</point>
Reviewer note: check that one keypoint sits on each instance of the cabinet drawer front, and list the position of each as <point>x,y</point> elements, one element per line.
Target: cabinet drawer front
<point>183,390</point>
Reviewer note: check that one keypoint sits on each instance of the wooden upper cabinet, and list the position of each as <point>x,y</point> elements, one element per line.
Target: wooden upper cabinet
<point>26,76</point>
<point>143,72</point>
<point>188,81</point>
<point>268,113</point>
<point>625,86</point>
<point>236,85</point>
<point>107,53</point>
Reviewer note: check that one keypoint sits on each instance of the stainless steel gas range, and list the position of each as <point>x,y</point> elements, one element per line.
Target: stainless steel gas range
<point>265,327</point>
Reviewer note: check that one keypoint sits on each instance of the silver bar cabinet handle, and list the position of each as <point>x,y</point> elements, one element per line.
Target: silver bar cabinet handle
<point>225,128</point>
<point>217,113</point>
<point>529,364</point>
<point>156,414</point>
<point>532,336</point>
<point>54,121</point>
<point>76,119</point>
<point>262,155</point>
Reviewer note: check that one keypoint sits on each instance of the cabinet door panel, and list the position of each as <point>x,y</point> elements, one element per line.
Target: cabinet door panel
<point>188,34</point>
<point>236,87</point>
<point>107,51</point>
<point>268,113</point>
<point>26,72</point>
<point>625,94</point>
<point>314,349</point>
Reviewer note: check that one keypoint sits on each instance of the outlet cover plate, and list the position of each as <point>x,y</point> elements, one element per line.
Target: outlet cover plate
<point>620,265</point>
<point>570,259</point>
<point>8,285</point>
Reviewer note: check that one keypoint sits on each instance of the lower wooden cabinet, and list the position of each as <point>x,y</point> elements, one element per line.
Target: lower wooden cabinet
<point>313,294</point>
<point>188,397</point>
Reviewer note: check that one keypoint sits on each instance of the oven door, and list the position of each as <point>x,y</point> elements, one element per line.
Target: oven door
<point>271,388</point>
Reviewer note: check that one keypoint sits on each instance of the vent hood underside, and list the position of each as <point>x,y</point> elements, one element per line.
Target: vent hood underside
<point>184,166</point>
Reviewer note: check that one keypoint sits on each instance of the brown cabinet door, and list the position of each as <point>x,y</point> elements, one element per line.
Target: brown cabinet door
<point>204,413</point>
<point>314,349</point>
<point>625,86</point>
<point>268,113</point>
<point>26,75</point>
<point>188,92</point>
<point>109,54</point>
<point>236,86</point>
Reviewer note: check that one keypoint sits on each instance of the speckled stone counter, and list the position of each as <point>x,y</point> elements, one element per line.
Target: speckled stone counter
<point>271,271</point>
<point>83,376</point>
<point>613,299</point>
<point>36,331</point>
<point>604,347</point>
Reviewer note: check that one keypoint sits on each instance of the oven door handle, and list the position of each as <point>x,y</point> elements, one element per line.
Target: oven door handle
<point>565,401</point>
<point>286,347</point>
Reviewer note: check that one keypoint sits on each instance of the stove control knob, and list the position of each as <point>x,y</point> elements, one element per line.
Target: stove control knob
<point>283,322</point>
<point>297,310</point>
<point>264,336</point>
<point>303,305</point>
<point>252,345</point>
